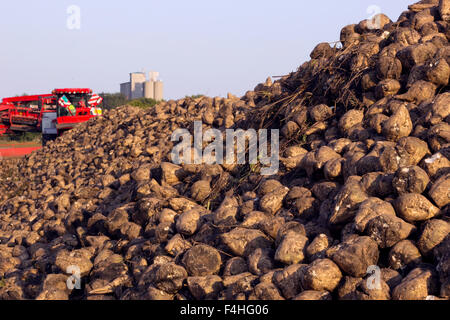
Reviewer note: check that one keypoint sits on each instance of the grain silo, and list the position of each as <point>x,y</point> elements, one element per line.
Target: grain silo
<point>159,90</point>
<point>149,90</point>
<point>139,87</point>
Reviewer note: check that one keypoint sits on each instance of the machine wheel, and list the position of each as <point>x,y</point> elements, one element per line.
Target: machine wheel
<point>46,138</point>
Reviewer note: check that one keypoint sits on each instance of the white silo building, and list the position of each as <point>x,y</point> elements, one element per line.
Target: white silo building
<point>140,87</point>
<point>159,90</point>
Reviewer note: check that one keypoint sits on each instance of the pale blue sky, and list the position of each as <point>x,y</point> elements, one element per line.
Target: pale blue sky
<point>198,46</point>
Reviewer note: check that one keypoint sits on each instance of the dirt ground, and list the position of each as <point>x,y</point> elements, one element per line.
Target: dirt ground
<point>13,149</point>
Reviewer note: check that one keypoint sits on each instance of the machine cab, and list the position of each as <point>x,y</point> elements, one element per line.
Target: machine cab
<point>72,106</point>
<point>75,106</point>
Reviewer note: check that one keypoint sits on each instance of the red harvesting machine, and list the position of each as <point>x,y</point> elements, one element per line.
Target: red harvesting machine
<point>21,114</point>
<point>51,114</point>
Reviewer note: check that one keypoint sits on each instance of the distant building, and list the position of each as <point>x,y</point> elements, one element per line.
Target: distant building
<point>140,87</point>
<point>125,89</point>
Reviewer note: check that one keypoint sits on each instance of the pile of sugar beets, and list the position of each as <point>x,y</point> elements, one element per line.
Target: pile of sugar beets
<point>360,208</point>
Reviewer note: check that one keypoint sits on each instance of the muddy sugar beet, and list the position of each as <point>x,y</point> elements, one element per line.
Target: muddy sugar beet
<point>358,207</point>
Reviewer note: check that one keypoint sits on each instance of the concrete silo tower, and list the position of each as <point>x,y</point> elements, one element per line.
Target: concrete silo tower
<point>139,87</point>
<point>159,90</point>
<point>149,90</point>
<point>154,89</point>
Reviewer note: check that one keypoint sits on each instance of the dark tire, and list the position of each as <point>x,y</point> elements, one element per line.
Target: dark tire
<point>46,138</point>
